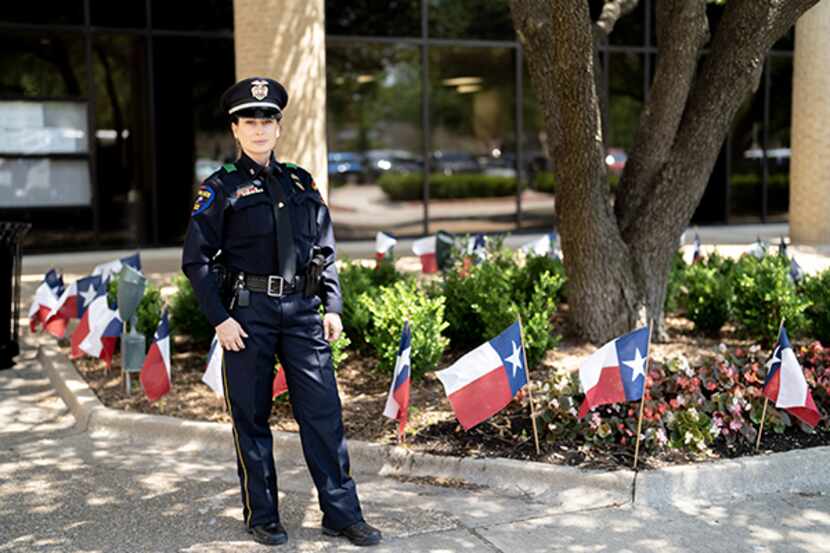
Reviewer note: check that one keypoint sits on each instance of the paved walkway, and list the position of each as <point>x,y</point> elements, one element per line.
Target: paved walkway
<point>66,490</point>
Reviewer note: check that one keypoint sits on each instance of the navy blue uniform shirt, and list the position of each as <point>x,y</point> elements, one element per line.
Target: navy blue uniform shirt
<point>233,213</point>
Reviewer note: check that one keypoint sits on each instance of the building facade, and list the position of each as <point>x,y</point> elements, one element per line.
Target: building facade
<point>109,115</point>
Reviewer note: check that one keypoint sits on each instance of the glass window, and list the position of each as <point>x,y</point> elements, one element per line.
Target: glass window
<point>192,15</point>
<point>625,104</point>
<point>778,137</point>
<point>374,17</point>
<point>629,29</point>
<point>106,13</point>
<point>471,19</point>
<point>747,161</point>
<point>473,137</point>
<point>193,142</point>
<point>47,65</point>
<point>43,127</point>
<point>51,12</point>
<point>44,182</point>
<point>122,165</point>
<point>375,141</point>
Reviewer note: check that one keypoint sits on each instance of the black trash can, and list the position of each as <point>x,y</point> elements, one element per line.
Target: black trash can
<point>11,235</point>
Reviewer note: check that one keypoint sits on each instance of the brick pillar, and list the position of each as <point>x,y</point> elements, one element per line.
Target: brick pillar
<point>285,40</point>
<point>810,162</point>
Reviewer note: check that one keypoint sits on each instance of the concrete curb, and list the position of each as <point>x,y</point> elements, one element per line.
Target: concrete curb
<point>568,488</point>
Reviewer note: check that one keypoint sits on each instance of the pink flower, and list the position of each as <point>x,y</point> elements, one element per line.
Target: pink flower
<point>735,425</point>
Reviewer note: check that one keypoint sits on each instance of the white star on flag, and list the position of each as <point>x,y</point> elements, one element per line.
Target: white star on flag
<point>774,359</point>
<point>515,359</point>
<point>637,365</point>
<point>88,296</point>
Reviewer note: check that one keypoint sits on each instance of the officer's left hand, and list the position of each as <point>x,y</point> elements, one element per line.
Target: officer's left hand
<point>332,326</point>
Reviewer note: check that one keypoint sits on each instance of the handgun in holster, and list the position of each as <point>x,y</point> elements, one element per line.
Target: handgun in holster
<point>220,274</point>
<point>314,272</point>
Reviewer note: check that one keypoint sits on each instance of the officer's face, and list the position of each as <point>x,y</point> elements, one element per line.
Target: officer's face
<point>257,137</point>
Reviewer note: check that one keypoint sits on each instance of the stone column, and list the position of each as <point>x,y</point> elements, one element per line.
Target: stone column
<point>810,161</point>
<point>286,40</point>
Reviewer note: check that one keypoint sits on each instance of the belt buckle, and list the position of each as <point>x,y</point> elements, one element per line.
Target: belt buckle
<point>271,280</point>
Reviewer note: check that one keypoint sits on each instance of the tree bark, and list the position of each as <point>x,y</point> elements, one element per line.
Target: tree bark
<point>618,259</point>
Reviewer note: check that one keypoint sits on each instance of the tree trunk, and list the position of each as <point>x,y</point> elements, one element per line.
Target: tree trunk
<point>618,258</point>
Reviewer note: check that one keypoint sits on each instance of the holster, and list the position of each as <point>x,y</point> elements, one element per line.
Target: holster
<point>221,277</point>
<point>314,273</point>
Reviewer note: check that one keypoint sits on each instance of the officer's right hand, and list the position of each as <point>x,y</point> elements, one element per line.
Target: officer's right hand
<point>230,335</point>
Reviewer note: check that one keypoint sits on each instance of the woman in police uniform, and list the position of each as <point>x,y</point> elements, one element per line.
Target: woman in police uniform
<point>265,223</point>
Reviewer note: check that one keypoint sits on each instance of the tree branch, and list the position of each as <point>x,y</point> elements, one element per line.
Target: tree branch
<point>682,30</point>
<point>611,12</point>
<point>747,30</point>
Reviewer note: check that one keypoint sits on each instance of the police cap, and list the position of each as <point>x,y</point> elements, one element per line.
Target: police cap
<point>257,97</point>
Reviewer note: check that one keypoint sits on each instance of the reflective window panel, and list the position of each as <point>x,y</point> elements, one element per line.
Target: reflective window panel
<point>471,19</point>
<point>375,139</point>
<point>374,17</point>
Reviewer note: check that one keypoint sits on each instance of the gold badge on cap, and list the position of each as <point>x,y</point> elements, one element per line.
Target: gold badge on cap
<point>259,89</point>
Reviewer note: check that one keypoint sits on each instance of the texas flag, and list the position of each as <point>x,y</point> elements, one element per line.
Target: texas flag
<point>697,254</point>
<point>483,381</point>
<point>425,248</point>
<point>73,302</point>
<point>45,299</point>
<point>383,244</point>
<point>155,373</point>
<point>785,383</point>
<point>279,386</point>
<point>397,402</point>
<point>616,372</point>
<point>213,373</point>
<point>104,327</point>
<point>107,270</point>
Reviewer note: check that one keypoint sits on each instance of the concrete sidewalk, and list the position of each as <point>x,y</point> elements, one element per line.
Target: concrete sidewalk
<point>70,490</point>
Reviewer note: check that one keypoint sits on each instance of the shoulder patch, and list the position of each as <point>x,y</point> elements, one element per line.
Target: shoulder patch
<point>229,167</point>
<point>204,199</point>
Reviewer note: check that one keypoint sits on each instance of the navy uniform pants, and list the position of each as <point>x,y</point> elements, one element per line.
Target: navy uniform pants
<point>291,328</point>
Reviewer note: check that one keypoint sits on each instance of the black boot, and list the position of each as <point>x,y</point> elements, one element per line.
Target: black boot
<point>358,533</point>
<point>272,533</point>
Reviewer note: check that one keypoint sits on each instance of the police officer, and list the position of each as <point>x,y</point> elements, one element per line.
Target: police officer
<point>259,252</point>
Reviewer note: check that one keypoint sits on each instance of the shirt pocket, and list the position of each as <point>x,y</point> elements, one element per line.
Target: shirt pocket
<point>305,213</point>
<point>250,216</point>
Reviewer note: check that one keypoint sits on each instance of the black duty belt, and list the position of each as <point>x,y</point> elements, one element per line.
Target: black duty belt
<point>273,285</point>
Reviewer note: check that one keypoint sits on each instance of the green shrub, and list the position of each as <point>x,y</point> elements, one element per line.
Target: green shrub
<point>674,286</point>
<point>763,295</point>
<point>355,279</point>
<point>481,304</point>
<point>148,313</point>
<point>389,307</point>
<point>408,187</point>
<point>186,318</point>
<point>544,181</point>
<point>817,291</point>
<point>708,298</point>
<point>535,266</point>
<point>339,350</point>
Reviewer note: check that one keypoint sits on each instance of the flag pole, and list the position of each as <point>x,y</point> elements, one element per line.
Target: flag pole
<point>766,399</point>
<point>529,387</point>
<point>643,399</point>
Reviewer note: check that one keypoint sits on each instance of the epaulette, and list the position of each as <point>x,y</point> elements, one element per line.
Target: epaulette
<point>301,178</point>
<point>229,167</point>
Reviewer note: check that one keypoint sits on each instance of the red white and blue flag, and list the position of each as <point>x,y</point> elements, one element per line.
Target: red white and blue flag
<point>213,372</point>
<point>616,372</point>
<point>155,373</point>
<point>426,249</point>
<point>74,301</point>
<point>45,299</point>
<point>383,244</point>
<point>97,333</point>
<point>485,380</point>
<point>107,270</point>
<point>397,402</point>
<point>785,383</point>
